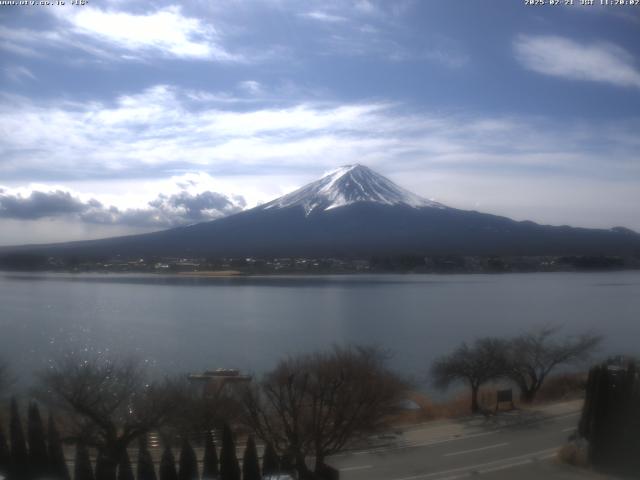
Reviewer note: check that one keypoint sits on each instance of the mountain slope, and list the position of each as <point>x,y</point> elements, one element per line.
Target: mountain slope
<point>356,212</point>
<point>348,185</point>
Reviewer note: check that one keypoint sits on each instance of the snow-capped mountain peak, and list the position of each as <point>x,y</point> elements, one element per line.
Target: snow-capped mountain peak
<point>347,185</point>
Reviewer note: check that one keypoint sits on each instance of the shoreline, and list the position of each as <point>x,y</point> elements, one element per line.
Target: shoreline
<point>208,273</point>
<point>239,273</point>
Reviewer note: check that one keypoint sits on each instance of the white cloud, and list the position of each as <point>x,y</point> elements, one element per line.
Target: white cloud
<point>252,87</point>
<point>163,128</point>
<point>112,32</point>
<point>565,58</point>
<point>166,31</point>
<point>36,43</point>
<point>322,16</point>
<point>369,29</point>
<point>367,7</point>
<point>18,73</point>
<point>121,35</point>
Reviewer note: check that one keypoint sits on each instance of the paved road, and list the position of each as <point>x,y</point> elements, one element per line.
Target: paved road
<point>520,445</point>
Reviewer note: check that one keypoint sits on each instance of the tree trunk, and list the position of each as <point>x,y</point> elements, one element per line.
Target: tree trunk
<point>475,407</point>
<point>303,471</point>
<point>106,468</point>
<point>107,462</point>
<point>527,395</point>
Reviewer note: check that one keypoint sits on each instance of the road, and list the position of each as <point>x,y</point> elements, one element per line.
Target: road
<point>518,445</point>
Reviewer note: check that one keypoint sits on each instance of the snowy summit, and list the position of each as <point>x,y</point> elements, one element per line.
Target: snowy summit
<point>347,185</point>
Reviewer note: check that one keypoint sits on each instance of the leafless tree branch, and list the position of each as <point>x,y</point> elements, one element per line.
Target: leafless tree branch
<point>316,404</point>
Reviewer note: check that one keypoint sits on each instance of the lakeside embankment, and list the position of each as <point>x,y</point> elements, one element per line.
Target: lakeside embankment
<point>211,273</point>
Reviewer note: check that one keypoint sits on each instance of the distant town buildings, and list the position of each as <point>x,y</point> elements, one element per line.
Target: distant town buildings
<point>334,265</point>
<point>214,381</point>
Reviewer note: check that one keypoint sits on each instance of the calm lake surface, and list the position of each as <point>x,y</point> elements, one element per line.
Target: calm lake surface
<point>192,324</point>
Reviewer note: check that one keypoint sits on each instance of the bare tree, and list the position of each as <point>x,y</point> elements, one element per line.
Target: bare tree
<point>5,377</point>
<point>474,364</point>
<point>533,355</point>
<point>316,404</point>
<point>200,410</point>
<point>110,402</point>
<point>3,374</point>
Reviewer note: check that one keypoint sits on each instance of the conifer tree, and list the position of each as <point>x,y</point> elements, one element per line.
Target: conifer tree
<point>270,460</point>
<point>125,472</point>
<point>38,461</point>
<point>168,465</point>
<point>210,469</point>
<point>229,467</point>
<point>4,453</point>
<point>188,462</point>
<point>145,470</point>
<point>105,469</point>
<point>19,462</point>
<point>287,464</point>
<point>57,465</point>
<point>250,464</point>
<point>82,468</point>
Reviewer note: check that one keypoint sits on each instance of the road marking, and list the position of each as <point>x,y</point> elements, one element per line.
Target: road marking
<point>359,467</point>
<point>497,469</point>
<point>467,470</point>
<point>462,452</point>
<point>390,448</point>
<point>429,423</point>
<point>517,464</point>
<point>448,440</point>
<point>416,445</point>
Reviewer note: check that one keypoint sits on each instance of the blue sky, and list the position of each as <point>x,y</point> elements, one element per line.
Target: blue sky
<point>122,117</point>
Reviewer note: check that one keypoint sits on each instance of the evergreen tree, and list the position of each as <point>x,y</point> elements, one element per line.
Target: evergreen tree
<point>188,462</point>
<point>145,470</point>
<point>57,465</point>
<point>287,463</point>
<point>229,467</point>
<point>105,468</point>
<point>38,461</point>
<point>210,462</point>
<point>4,453</point>
<point>250,464</point>
<point>168,465</point>
<point>82,468</point>
<point>19,462</point>
<point>125,472</point>
<point>270,460</point>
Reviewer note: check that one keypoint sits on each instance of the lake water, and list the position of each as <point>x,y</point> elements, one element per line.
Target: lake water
<point>192,324</point>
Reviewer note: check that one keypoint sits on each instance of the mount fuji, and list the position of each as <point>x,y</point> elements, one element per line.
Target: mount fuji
<point>356,212</point>
<point>348,185</point>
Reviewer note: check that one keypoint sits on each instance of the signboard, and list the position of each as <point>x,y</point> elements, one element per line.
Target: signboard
<point>504,396</point>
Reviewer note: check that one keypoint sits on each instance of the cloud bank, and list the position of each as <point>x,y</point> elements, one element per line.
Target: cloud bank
<point>165,211</point>
<point>164,129</point>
